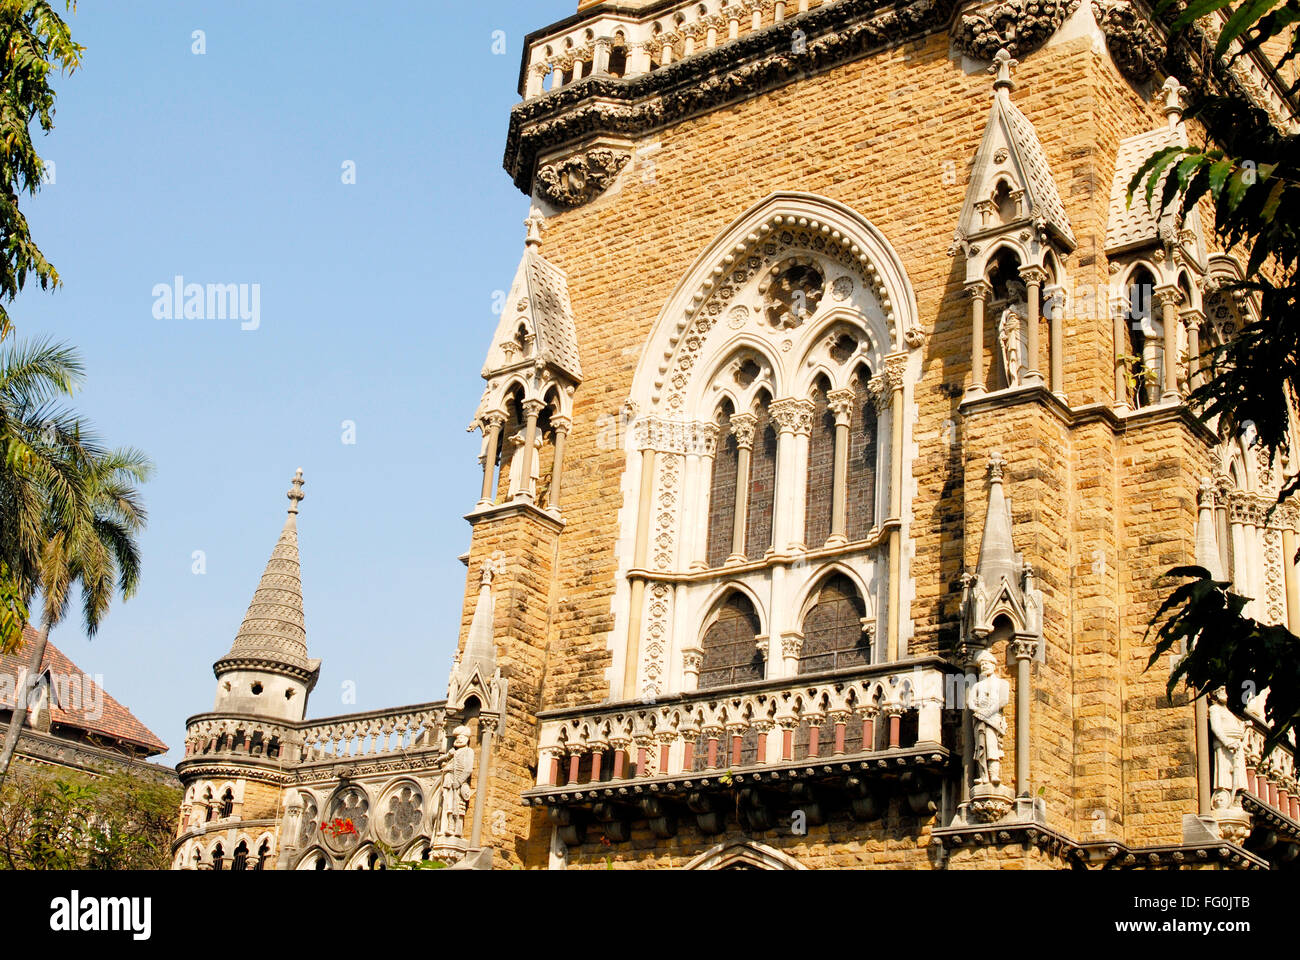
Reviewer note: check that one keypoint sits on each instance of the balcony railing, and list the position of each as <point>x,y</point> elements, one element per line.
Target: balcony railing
<point>807,720</point>
<point>630,45</point>
<point>1271,780</point>
<point>352,736</point>
<point>375,734</point>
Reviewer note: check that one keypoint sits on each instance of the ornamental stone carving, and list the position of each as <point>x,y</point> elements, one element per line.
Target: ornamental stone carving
<point>1133,43</point>
<point>578,179</point>
<point>1019,25</point>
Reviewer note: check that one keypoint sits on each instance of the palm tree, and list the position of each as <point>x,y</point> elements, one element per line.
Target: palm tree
<point>40,447</point>
<point>72,508</point>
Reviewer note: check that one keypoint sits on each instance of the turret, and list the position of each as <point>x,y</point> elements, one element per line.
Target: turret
<point>267,672</point>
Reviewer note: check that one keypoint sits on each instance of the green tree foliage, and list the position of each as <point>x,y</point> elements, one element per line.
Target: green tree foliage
<point>36,43</point>
<point>1250,171</point>
<point>67,821</point>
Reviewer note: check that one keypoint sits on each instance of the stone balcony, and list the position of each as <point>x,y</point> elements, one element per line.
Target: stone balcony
<point>813,742</point>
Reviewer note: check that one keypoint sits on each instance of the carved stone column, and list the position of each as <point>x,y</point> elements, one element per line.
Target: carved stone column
<point>743,426</point>
<point>636,602</point>
<point>492,423</point>
<point>840,403</point>
<point>1168,299</point>
<point>978,291</point>
<point>1120,310</point>
<point>895,375</point>
<point>793,418</point>
<point>562,426</point>
<point>1034,278</point>
<point>531,410</point>
<point>691,661</point>
<point>1025,650</point>
<point>707,449</point>
<point>1191,320</point>
<point>1054,297</point>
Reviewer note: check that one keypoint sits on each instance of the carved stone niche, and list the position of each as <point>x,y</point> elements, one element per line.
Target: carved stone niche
<point>1021,26</point>
<point>569,180</point>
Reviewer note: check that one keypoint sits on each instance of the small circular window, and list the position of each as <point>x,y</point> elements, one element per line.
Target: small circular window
<point>257,689</point>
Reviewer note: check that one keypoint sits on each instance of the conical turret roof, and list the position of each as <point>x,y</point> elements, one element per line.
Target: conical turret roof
<point>273,634</point>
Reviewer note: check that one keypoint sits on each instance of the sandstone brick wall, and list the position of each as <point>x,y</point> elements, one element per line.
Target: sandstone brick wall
<point>1100,512</point>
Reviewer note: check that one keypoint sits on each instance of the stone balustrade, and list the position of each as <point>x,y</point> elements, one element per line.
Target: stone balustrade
<point>620,44</point>
<point>875,711</point>
<point>375,734</point>
<point>1271,780</point>
<point>331,739</point>
<point>213,735</point>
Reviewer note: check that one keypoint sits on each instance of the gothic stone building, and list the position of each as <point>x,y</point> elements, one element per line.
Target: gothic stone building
<point>834,446</point>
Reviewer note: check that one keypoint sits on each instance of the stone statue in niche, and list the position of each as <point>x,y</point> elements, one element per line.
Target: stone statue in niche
<point>517,464</point>
<point>455,790</point>
<point>1229,733</point>
<point>1011,336</point>
<point>988,697</point>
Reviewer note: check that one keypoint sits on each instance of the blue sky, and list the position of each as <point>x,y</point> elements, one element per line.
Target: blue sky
<point>375,307</point>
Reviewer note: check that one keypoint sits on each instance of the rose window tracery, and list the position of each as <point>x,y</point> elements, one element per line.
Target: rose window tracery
<point>347,819</point>
<point>402,815</point>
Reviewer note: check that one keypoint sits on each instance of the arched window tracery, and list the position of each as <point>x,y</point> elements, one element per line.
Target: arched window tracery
<point>834,633</point>
<point>731,653</point>
<point>740,464</point>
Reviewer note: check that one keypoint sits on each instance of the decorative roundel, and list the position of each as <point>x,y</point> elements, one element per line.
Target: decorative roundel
<point>347,818</point>
<point>401,812</point>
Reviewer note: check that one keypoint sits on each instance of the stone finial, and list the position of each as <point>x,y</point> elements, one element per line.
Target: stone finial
<point>1174,93</point>
<point>1001,68</point>
<point>533,238</point>
<point>997,466</point>
<point>295,493</point>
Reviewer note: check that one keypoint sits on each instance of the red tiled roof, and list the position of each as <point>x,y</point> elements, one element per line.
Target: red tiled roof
<point>88,707</point>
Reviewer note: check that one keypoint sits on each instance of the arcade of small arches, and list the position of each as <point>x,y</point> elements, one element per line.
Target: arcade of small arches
<point>524,428</point>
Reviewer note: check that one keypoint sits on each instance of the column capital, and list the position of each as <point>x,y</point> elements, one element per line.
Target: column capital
<point>978,290</point>
<point>793,416</point>
<point>1024,648</point>
<point>532,408</point>
<point>1033,274</point>
<point>493,419</point>
<point>743,426</point>
<point>561,424</point>
<point>895,372</point>
<point>1167,294</point>
<point>840,403</point>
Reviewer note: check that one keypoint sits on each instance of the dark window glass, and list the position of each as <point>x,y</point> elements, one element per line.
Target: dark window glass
<point>730,653</point>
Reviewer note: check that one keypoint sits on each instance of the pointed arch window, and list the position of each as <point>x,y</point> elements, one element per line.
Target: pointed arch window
<point>241,857</point>
<point>227,803</point>
<point>821,468</point>
<point>863,451</point>
<point>218,857</point>
<point>834,633</point>
<point>722,494</point>
<point>762,483</point>
<point>1144,360</point>
<point>730,645</point>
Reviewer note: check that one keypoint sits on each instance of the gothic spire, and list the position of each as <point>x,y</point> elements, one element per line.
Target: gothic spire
<point>273,633</point>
